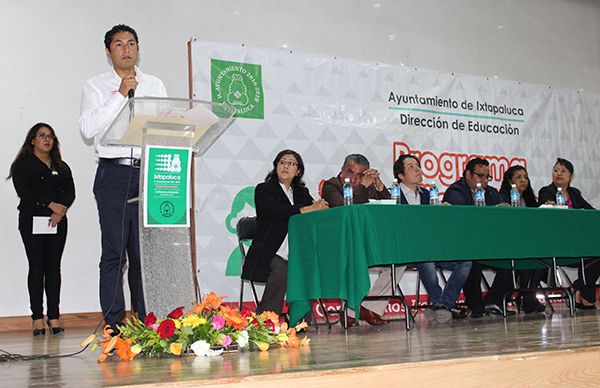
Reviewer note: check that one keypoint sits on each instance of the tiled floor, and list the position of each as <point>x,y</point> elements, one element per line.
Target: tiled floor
<point>360,346</point>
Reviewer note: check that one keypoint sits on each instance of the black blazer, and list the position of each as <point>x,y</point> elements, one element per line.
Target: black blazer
<point>37,185</point>
<point>548,193</point>
<point>273,210</point>
<point>459,193</point>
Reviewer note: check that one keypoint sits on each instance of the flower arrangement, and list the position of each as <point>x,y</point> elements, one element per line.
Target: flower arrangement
<point>206,330</point>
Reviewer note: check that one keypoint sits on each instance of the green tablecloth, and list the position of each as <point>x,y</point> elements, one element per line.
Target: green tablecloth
<point>330,251</point>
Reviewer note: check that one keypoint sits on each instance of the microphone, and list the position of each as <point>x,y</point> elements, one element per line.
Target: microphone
<point>131,94</point>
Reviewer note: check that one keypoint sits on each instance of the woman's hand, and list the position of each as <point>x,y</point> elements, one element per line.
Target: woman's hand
<point>319,204</point>
<point>55,218</point>
<point>58,208</point>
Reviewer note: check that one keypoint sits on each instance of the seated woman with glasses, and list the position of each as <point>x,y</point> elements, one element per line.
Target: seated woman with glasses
<point>528,279</point>
<point>562,175</point>
<point>279,197</point>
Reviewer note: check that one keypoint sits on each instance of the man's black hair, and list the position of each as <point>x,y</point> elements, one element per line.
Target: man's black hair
<point>474,163</point>
<point>108,37</point>
<point>399,164</point>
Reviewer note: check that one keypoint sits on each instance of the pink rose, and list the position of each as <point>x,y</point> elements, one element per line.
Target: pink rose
<point>225,340</point>
<point>218,322</point>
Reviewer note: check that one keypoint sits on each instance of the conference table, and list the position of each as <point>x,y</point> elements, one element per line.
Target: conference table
<point>330,251</point>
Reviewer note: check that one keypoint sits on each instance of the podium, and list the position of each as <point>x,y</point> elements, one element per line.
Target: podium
<point>165,134</point>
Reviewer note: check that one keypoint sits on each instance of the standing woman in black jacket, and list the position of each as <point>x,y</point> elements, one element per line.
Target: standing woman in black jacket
<point>279,197</point>
<point>45,186</point>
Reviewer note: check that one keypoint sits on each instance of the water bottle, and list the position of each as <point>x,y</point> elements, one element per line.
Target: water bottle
<point>560,197</point>
<point>395,189</point>
<point>515,196</point>
<point>479,196</point>
<point>348,200</point>
<point>434,194</point>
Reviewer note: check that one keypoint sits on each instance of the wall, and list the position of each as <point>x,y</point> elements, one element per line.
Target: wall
<point>50,48</point>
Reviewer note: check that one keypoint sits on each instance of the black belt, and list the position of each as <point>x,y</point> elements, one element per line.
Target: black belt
<point>133,162</point>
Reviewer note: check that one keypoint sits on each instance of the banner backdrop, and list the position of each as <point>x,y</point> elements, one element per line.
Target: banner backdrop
<point>328,107</point>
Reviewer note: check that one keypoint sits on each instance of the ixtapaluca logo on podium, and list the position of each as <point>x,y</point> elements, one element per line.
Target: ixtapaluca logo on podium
<point>239,85</point>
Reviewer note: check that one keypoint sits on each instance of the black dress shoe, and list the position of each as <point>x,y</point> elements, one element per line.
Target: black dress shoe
<point>460,313</point>
<point>534,308</point>
<point>492,308</point>
<point>54,329</point>
<point>581,306</point>
<point>35,331</point>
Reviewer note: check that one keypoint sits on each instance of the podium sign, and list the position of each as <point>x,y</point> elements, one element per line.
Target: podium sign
<point>167,189</point>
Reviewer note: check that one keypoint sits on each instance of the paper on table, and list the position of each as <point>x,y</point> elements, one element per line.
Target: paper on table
<point>41,225</point>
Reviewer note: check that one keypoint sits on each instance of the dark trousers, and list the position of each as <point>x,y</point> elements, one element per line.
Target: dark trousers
<point>119,224</point>
<point>472,288</point>
<point>274,293</point>
<point>44,253</point>
<point>592,272</point>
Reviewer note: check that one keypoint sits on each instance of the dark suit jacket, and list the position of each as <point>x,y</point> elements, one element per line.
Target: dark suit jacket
<point>333,193</point>
<point>459,193</point>
<point>37,185</point>
<point>424,197</point>
<point>548,193</point>
<point>273,210</point>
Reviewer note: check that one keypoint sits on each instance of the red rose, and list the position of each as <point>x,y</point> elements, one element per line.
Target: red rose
<point>150,319</point>
<point>176,314</point>
<point>256,322</point>
<point>270,324</point>
<point>246,313</point>
<point>166,328</point>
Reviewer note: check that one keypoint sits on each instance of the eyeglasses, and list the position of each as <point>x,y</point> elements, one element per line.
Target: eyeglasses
<point>560,171</point>
<point>45,136</point>
<point>483,176</point>
<point>289,163</point>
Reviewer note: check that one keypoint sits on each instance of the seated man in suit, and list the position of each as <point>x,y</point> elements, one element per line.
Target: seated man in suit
<point>461,193</point>
<point>366,184</point>
<point>408,171</point>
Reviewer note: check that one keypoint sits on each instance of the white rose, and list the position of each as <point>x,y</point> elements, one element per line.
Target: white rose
<point>202,348</point>
<point>242,339</point>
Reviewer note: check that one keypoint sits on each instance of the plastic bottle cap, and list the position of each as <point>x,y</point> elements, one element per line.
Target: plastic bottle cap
<point>347,180</point>
<point>479,185</point>
<point>514,186</point>
<point>395,180</point>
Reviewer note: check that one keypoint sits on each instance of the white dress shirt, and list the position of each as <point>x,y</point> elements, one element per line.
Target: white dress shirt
<point>284,249</point>
<point>101,102</point>
<point>412,197</point>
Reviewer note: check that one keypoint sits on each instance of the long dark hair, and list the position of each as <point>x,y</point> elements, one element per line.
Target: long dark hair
<point>528,195</point>
<point>297,181</point>
<point>27,147</point>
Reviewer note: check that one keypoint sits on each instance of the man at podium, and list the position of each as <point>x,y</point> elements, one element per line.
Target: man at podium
<point>117,176</point>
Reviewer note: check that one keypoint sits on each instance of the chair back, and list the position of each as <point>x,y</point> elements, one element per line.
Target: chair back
<point>246,228</point>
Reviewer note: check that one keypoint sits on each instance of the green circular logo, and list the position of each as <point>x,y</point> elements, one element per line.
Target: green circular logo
<point>167,209</point>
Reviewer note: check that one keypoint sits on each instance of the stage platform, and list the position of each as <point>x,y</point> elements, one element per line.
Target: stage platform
<point>534,350</point>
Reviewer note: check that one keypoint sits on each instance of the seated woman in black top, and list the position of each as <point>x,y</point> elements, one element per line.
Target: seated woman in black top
<point>529,279</point>
<point>562,175</point>
<point>282,195</point>
<point>45,186</point>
